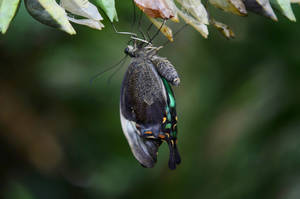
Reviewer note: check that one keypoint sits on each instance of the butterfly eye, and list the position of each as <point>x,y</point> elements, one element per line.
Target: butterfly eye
<point>126,51</point>
<point>129,51</point>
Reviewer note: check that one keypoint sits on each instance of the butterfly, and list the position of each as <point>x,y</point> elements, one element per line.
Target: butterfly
<point>147,105</point>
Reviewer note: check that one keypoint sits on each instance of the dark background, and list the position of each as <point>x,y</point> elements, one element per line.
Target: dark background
<point>238,107</point>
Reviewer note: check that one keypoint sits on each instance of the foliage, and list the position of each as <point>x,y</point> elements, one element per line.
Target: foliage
<point>193,12</point>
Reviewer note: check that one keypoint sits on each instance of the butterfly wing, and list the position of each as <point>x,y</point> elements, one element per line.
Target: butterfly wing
<point>142,108</point>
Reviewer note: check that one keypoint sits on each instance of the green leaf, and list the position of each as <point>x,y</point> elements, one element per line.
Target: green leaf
<point>8,9</point>
<point>285,7</point>
<point>109,8</point>
<point>49,13</point>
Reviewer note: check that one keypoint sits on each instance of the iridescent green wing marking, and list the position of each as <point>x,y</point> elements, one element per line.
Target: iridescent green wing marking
<point>170,123</point>
<point>169,126</point>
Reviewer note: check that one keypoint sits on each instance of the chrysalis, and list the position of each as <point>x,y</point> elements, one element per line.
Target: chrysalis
<point>285,7</point>
<point>147,105</point>
<point>260,7</point>
<point>49,13</point>
<point>156,8</point>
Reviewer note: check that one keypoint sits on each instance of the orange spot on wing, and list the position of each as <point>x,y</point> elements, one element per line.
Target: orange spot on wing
<point>161,136</point>
<point>148,132</point>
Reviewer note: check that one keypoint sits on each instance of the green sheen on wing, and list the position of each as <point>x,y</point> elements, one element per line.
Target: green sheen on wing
<point>170,93</point>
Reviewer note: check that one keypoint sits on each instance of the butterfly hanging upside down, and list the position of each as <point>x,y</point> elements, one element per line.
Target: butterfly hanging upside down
<point>147,105</point>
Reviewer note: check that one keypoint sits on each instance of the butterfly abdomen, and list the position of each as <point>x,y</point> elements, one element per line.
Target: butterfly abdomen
<point>166,69</point>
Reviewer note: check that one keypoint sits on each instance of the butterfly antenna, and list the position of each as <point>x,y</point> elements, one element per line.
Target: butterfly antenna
<point>134,16</point>
<point>139,25</point>
<point>176,33</point>
<point>115,72</point>
<point>148,30</point>
<point>157,32</point>
<point>107,69</point>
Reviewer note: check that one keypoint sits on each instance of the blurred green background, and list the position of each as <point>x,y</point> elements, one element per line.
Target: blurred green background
<point>238,107</point>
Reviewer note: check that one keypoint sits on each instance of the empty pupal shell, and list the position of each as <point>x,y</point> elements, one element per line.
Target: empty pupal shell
<point>165,30</point>
<point>285,7</point>
<point>88,22</point>
<point>172,6</point>
<point>196,9</point>
<point>261,7</point>
<point>8,9</point>
<point>49,13</point>
<point>200,27</point>
<point>236,7</point>
<point>224,29</point>
<point>156,8</point>
<point>81,8</point>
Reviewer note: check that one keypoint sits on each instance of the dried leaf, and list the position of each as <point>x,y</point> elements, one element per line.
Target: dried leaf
<point>196,9</point>
<point>261,7</point>
<point>49,13</point>
<point>236,7</point>
<point>165,30</point>
<point>156,8</point>
<point>95,24</point>
<point>285,7</point>
<point>200,27</point>
<point>224,29</point>
<point>109,8</point>
<point>81,8</point>
<point>8,9</point>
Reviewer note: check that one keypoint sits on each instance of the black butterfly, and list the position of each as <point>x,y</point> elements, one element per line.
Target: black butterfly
<point>147,105</point>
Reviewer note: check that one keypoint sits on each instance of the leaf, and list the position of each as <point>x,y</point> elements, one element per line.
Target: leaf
<point>285,7</point>
<point>81,8</point>
<point>156,8</point>
<point>109,8</point>
<point>95,24</point>
<point>261,7</point>
<point>236,7</point>
<point>165,30</point>
<point>196,9</point>
<point>224,29</point>
<point>49,13</point>
<point>200,27</point>
<point>8,9</point>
